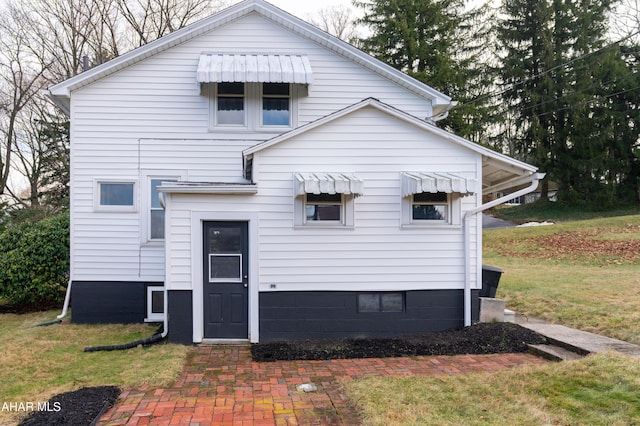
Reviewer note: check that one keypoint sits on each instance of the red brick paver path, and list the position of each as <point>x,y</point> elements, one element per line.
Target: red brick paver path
<point>221,385</point>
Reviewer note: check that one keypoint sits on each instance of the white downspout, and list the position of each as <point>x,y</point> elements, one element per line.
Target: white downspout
<point>165,327</point>
<point>65,306</point>
<point>535,178</point>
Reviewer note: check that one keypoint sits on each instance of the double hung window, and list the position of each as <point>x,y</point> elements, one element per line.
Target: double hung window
<point>252,106</point>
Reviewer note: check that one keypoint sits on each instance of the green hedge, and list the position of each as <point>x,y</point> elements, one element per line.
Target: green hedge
<point>34,261</point>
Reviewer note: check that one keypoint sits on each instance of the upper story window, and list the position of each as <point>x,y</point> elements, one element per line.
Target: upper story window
<point>276,109</point>
<point>230,104</point>
<point>253,106</point>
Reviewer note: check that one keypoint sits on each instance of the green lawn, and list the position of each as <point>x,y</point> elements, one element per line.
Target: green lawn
<point>583,274</point>
<point>39,362</point>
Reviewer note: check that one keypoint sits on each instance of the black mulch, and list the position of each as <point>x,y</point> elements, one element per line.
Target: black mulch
<point>78,408</point>
<point>482,338</point>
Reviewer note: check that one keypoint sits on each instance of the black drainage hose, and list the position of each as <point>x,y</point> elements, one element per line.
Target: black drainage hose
<point>148,341</point>
<point>45,324</point>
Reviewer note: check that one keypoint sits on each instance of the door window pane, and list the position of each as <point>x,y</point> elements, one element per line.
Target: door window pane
<point>225,267</point>
<point>225,240</point>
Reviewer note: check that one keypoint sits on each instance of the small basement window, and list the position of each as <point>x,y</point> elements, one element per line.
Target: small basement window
<point>381,302</point>
<point>155,304</point>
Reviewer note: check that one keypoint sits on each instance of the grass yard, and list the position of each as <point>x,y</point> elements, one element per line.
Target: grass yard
<point>583,274</point>
<point>39,362</point>
<point>597,390</point>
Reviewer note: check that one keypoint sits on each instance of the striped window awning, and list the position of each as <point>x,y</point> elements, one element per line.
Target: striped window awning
<point>327,183</point>
<point>418,182</point>
<point>246,68</point>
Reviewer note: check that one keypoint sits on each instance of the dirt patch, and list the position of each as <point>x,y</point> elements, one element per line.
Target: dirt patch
<point>75,408</point>
<point>602,246</point>
<point>483,338</point>
<point>26,309</point>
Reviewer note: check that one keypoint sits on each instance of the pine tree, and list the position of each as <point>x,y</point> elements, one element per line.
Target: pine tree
<point>438,43</point>
<point>556,78</point>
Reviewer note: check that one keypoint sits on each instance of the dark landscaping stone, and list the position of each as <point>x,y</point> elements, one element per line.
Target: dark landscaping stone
<point>482,338</point>
<point>77,408</point>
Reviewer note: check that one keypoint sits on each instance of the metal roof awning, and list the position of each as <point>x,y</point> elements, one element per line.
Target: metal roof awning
<point>254,68</point>
<point>327,183</point>
<point>418,182</point>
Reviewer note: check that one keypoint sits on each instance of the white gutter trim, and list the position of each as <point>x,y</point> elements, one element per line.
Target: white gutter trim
<point>534,179</point>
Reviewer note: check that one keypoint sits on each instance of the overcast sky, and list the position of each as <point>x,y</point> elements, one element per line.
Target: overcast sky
<point>304,8</point>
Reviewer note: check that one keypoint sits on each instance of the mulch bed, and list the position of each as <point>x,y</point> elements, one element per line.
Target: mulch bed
<point>77,408</point>
<point>482,338</point>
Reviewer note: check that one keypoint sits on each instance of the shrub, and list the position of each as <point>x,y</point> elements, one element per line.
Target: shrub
<point>34,261</point>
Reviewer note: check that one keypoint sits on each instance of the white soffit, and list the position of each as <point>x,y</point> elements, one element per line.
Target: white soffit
<point>254,68</point>
<point>327,183</point>
<point>419,182</point>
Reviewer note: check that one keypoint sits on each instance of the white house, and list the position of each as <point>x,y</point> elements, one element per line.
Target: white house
<point>251,177</point>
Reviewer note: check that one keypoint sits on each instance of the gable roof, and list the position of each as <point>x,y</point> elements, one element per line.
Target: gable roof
<point>499,171</point>
<point>61,92</point>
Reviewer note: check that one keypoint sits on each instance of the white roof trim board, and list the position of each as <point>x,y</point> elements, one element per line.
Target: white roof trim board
<point>418,182</point>
<point>254,68</point>
<point>327,183</point>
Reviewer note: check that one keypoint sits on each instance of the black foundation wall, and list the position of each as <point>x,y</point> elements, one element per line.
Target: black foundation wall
<point>308,315</point>
<point>99,302</point>
<point>180,305</point>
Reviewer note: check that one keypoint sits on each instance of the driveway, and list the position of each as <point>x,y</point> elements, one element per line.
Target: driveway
<point>490,222</point>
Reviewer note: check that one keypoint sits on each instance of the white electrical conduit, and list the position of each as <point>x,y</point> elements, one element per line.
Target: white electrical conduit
<point>534,179</point>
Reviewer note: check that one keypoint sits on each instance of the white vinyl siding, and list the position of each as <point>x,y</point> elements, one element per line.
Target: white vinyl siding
<point>154,115</point>
<point>377,254</point>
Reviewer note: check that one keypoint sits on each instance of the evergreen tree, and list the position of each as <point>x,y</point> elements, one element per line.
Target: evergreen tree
<point>557,81</point>
<point>438,43</point>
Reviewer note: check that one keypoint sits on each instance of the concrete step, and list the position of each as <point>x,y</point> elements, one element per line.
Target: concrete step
<point>554,353</point>
<point>582,342</point>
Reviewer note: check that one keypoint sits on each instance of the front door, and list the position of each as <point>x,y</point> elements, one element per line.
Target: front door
<point>226,279</point>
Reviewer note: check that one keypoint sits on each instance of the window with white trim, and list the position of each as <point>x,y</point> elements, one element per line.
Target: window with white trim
<point>156,211</point>
<point>230,104</point>
<point>276,108</point>
<point>115,195</point>
<point>324,210</point>
<point>427,209</point>
<point>253,106</point>
<point>430,206</point>
<point>155,304</point>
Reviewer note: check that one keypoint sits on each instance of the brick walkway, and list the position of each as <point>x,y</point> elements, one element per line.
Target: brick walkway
<point>220,385</point>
